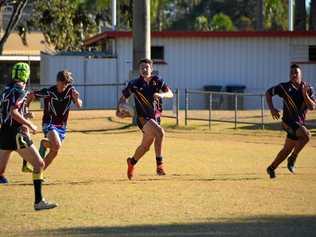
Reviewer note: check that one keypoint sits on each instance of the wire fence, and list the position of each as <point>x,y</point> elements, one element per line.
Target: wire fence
<point>188,105</point>
<point>227,107</point>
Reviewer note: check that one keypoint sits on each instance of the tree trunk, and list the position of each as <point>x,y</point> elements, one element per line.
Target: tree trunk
<point>312,16</point>
<point>300,15</point>
<point>15,18</point>
<point>260,15</point>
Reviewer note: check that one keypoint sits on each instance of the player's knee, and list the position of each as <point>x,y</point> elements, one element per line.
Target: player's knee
<point>39,165</point>
<point>160,133</point>
<point>55,146</point>
<point>307,136</point>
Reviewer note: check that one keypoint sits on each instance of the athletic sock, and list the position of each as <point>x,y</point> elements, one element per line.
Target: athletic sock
<point>133,161</point>
<point>292,157</point>
<point>42,151</point>
<point>37,182</point>
<point>159,160</point>
<point>38,190</point>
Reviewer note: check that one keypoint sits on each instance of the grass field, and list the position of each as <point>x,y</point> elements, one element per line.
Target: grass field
<point>216,185</point>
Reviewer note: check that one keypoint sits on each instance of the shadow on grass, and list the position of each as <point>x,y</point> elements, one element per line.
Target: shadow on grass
<point>253,226</point>
<point>143,179</point>
<point>276,126</point>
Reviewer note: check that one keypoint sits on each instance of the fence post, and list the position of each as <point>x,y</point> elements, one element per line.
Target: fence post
<point>262,112</point>
<point>186,107</point>
<point>210,109</point>
<point>177,106</point>
<point>236,108</point>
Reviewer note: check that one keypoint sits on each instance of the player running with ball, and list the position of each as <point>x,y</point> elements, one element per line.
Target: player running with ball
<point>57,102</point>
<point>148,92</point>
<point>298,97</point>
<point>14,132</point>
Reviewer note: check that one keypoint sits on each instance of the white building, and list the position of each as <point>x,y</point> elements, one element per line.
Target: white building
<point>193,60</point>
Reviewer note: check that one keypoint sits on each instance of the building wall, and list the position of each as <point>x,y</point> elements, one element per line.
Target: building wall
<point>85,71</point>
<point>257,63</point>
<point>193,63</point>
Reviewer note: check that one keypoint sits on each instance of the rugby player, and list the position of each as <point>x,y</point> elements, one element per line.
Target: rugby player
<point>298,97</point>
<point>14,132</point>
<point>57,103</point>
<point>148,92</point>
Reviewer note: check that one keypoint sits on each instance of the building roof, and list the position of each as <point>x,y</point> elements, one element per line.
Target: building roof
<point>201,34</point>
<point>35,44</point>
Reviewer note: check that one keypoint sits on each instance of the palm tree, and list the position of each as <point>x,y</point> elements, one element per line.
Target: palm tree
<point>312,16</point>
<point>300,15</point>
<point>260,10</point>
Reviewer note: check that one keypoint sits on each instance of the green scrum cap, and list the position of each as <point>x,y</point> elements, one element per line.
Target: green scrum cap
<point>21,72</point>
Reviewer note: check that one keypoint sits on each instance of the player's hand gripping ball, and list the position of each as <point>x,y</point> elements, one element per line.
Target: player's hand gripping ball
<point>124,109</point>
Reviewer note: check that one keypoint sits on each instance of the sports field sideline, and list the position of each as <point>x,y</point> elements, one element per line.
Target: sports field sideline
<point>216,184</point>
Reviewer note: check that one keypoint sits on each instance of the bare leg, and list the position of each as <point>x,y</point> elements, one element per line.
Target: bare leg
<point>303,138</point>
<point>160,134</point>
<point>4,158</point>
<point>283,154</point>
<point>54,144</point>
<point>31,155</point>
<point>148,139</point>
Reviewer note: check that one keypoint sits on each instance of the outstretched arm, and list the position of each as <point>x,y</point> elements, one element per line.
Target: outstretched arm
<point>168,94</point>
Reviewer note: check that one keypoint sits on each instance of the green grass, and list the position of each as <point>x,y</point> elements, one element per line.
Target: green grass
<point>216,184</point>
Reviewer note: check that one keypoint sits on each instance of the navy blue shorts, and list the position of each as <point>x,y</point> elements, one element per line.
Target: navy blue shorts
<point>141,121</point>
<point>291,129</point>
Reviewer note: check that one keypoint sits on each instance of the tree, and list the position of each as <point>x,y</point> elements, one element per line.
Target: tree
<point>64,23</point>
<point>300,15</point>
<point>260,15</point>
<point>221,22</point>
<point>201,24</point>
<point>275,12</point>
<point>312,16</point>
<point>18,7</point>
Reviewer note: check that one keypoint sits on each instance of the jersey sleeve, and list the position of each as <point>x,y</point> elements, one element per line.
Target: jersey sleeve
<point>162,85</point>
<point>276,90</point>
<point>17,98</point>
<point>128,90</point>
<point>43,93</point>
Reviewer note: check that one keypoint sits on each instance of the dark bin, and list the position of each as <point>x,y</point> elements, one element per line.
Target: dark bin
<point>217,100</point>
<point>231,98</point>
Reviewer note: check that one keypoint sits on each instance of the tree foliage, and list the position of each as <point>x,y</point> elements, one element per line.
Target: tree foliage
<point>18,7</point>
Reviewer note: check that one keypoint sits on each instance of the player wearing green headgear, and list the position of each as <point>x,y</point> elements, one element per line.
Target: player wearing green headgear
<point>21,72</point>
<point>14,131</point>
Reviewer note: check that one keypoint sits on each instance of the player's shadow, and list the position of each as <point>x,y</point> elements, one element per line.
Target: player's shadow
<point>252,226</point>
<point>276,126</point>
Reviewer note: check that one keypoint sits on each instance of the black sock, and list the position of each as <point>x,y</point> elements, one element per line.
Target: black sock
<point>292,157</point>
<point>133,161</point>
<point>159,160</point>
<point>38,190</point>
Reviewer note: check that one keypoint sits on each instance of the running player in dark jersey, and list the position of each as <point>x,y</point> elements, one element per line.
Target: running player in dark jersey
<point>148,91</point>
<point>298,97</point>
<point>57,103</point>
<point>14,132</point>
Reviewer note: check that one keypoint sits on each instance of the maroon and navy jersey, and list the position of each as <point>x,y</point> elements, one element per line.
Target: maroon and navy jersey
<point>294,107</point>
<point>145,103</point>
<point>12,96</point>
<point>56,105</point>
